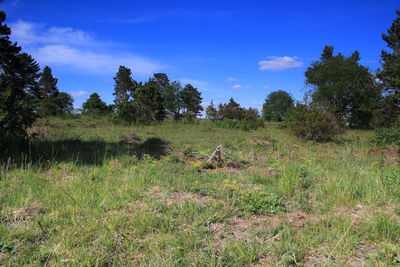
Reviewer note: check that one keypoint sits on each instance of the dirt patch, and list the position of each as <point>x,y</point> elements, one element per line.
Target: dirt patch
<point>257,140</point>
<point>114,163</point>
<point>59,174</point>
<point>24,214</point>
<point>265,170</point>
<point>390,155</point>
<point>241,228</point>
<point>315,258</point>
<point>177,197</point>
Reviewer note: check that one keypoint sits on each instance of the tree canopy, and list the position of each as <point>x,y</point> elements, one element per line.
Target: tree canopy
<point>389,77</point>
<point>344,85</point>
<point>276,106</point>
<point>94,105</point>
<point>18,86</point>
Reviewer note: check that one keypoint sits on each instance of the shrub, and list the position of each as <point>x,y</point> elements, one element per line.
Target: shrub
<point>387,136</point>
<point>314,123</point>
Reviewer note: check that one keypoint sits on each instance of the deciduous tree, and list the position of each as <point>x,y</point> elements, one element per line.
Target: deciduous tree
<point>276,106</point>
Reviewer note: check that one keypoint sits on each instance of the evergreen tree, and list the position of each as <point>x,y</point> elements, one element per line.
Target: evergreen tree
<point>191,100</point>
<point>47,84</point>
<point>276,106</point>
<point>342,84</point>
<point>125,86</point>
<point>170,92</point>
<point>389,76</point>
<point>18,86</point>
<point>124,91</point>
<point>211,112</point>
<point>232,110</point>
<point>52,102</point>
<point>172,101</point>
<point>94,105</point>
<point>149,102</point>
<point>64,103</point>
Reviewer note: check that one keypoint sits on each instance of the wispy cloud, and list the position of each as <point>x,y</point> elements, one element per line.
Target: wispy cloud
<point>265,87</point>
<point>94,62</point>
<point>279,63</point>
<point>27,33</point>
<point>78,50</point>
<point>239,86</point>
<point>231,79</point>
<point>78,93</point>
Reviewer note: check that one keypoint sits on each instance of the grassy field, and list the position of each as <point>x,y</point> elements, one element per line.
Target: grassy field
<point>93,193</point>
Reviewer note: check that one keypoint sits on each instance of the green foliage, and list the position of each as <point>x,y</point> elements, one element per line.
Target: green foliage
<point>231,110</point>
<point>149,103</point>
<point>94,105</point>
<point>387,136</point>
<point>191,100</point>
<point>389,76</point>
<point>211,112</point>
<point>314,123</point>
<point>258,202</point>
<point>18,87</point>
<point>344,85</point>
<point>124,89</point>
<point>276,106</point>
<point>52,102</point>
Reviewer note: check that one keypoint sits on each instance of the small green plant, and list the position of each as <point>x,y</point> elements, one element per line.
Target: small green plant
<point>259,202</point>
<point>387,136</point>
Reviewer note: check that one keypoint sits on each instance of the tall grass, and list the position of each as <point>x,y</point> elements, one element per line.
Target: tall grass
<point>94,193</point>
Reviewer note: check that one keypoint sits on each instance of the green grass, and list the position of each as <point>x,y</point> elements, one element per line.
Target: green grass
<point>90,193</point>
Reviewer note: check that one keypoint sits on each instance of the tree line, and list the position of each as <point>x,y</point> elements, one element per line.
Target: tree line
<point>341,92</point>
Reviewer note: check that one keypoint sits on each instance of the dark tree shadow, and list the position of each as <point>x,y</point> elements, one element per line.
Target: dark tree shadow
<point>94,152</point>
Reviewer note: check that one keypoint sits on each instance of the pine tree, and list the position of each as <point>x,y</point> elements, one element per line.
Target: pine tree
<point>47,84</point>
<point>94,105</point>
<point>149,102</point>
<point>232,110</point>
<point>125,86</point>
<point>18,75</point>
<point>211,112</point>
<point>389,76</point>
<point>191,100</point>
<point>52,101</point>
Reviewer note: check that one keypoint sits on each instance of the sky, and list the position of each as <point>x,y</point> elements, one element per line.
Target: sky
<point>239,49</point>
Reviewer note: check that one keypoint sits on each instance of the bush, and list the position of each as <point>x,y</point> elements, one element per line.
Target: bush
<point>314,123</point>
<point>387,136</point>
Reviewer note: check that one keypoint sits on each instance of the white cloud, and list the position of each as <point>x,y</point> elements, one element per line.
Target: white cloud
<point>94,62</point>
<point>32,33</point>
<point>239,86</point>
<point>231,79</point>
<point>78,93</point>
<point>265,86</point>
<point>256,103</point>
<point>72,48</point>
<point>279,63</point>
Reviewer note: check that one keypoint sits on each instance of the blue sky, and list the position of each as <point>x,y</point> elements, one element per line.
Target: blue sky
<point>239,49</point>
